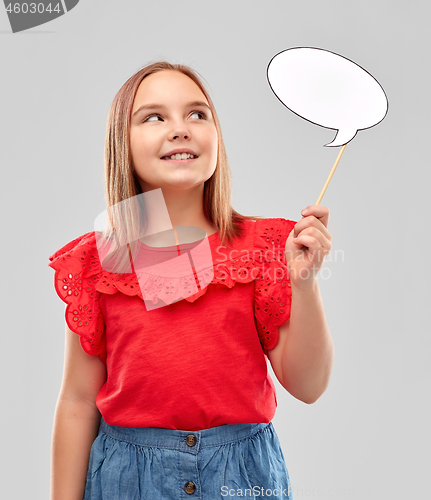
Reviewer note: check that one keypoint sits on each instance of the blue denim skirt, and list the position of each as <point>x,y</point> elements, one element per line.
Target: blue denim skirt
<point>151,463</point>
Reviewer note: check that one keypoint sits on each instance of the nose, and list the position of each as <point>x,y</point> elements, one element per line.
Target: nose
<point>180,130</point>
<point>181,134</point>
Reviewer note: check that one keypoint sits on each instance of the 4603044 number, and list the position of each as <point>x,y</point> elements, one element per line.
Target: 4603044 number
<point>32,8</point>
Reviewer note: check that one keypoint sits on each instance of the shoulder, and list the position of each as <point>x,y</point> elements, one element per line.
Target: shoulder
<point>274,224</point>
<point>270,232</point>
<point>262,233</point>
<point>75,263</point>
<point>84,242</point>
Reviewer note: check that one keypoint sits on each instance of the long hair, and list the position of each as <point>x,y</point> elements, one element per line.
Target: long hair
<point>121,182</point>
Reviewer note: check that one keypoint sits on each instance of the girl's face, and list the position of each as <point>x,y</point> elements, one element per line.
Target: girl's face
<point>171,113</point>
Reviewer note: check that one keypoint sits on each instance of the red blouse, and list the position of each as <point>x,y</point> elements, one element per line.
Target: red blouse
<point>192,364</point>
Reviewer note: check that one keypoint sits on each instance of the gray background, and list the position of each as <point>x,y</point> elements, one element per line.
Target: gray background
<point>367,436</point>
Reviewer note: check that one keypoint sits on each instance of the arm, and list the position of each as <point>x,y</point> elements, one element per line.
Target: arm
<point>303,358</point>
<point>76,421</point>
<point>76,425</point>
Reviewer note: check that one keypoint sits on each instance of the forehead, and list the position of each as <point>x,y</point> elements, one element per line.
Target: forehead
<point>167,86</point>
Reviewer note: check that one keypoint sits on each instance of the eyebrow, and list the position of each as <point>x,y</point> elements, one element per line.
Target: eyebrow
<point>162,106</point>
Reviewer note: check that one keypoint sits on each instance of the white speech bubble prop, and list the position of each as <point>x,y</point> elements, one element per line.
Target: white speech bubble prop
<point>327,89</point>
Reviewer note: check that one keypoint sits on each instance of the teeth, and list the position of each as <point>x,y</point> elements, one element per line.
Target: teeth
<point>178,156</point>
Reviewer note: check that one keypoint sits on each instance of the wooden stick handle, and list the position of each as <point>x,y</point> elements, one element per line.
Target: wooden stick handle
<point>340,154</point>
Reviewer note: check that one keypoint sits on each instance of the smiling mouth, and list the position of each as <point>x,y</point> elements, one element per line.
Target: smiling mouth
<point>180,156</point>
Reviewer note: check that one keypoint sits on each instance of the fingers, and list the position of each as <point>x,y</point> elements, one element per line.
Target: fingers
<point>321,213</point>
<point>314,216</point>
<point>313,239</point>
<point>317,210</point>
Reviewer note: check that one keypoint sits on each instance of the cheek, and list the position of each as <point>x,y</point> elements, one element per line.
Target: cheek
<point>133,142</point>
<point>138,144</point>
<point>213,143</point>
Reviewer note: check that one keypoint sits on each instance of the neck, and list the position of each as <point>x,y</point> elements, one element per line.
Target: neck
<point>184,208</point>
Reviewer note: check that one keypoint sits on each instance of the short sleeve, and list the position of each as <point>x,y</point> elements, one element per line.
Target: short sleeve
<point>77,270</point>
<point>273,294</point>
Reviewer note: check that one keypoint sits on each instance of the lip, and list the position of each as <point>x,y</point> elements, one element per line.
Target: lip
<point>181,162</point>
<point>180,150</point>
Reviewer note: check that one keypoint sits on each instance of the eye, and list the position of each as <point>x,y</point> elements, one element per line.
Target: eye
<point>200,113</point>
<point>204,116</point>
<point>151,116</point>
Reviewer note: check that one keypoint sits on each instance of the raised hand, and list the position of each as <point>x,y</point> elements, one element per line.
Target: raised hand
<point>307,245</point>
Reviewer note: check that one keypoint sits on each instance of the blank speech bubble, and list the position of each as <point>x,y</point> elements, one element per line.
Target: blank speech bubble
<point>328,90</point>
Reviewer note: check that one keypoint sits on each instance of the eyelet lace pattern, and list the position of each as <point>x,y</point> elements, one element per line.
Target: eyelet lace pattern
<point>77,270</point>
<point>80,279</point>
<point>273,293</point>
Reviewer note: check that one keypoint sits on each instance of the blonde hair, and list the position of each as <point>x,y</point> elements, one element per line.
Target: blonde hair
<point>121,182</point>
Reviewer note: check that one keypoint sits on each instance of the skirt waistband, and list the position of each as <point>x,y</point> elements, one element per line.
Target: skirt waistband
<point>189,441</point>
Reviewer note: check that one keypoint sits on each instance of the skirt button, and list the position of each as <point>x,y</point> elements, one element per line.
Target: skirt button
<point>191,440</point>
<point>190,487</point>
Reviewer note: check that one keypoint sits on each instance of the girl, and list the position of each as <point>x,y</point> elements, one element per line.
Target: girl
<point>165,391</point>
